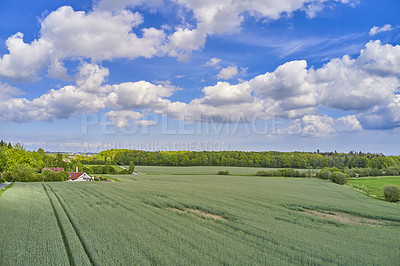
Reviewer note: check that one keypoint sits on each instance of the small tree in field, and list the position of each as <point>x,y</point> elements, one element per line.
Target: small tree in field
<point>131,167</point>
<point>223,172</point>
<point>338,177</point>
<point>391,193</point>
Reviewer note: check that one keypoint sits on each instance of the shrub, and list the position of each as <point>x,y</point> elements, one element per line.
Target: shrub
<point>226,172</point>
<point>324,174</point>
<point>269,173</point>
<point>338,177</point>
<point>391,193</point>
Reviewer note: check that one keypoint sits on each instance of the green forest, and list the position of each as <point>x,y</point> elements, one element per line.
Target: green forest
<point>19,164</point>
<point>269,159</point>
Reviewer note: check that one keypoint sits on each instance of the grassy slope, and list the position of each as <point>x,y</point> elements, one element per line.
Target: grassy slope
<point>373,186</point>
<point>130,222</point>
<point>198,170</point>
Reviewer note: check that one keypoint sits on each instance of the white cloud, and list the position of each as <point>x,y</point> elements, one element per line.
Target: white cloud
<point>226,16</point>
<point>343,85</point>
<point>106,33</point>
<point>145,123</point>
<point>290,83</point>
<point>7,91</point>
<point>293,91</point>
<point>380,59</point>
<point>88,95</point>
<point>375,30</point>
<point>224,93</point>
<point>348,123</point>
<point>116,5</point>
<point>122,119</point>
<point>91,77</point>
<point>24,61</point>
<point>69,34</point>
<point>228,72</point>
<point>141,94</point>
<point>213,62</point>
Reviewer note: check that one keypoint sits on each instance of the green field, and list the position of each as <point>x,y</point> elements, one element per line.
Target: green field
<point>373,186</point>
<point>195,219</point>
<point>199,170</point>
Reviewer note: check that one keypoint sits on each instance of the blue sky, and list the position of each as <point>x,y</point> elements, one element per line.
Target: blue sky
<point>201,75</point>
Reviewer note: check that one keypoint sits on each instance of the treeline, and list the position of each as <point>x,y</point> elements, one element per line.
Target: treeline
<point>18,164</point>
<point>271,159</point>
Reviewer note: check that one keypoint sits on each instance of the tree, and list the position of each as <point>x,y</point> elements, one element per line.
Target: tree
<point>3,160</point>
<point>339,177</point>
<point>391,193</point>
<point>131,167</point>
<point>22,173</point>
<point>107,168</point>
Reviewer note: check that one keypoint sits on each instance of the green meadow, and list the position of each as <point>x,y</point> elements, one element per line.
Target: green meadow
<point>373,186</point>
<point>193,216</point>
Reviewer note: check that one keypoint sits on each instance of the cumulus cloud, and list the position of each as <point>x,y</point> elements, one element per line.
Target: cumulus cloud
<point>116,5</point>
<point>375,30</point>
<point>141,94</point>
<point>122,119</point>
<point>224,93</point>
<point>88,95</point>
<point>344,86</point>
<point>227,16</point>
<point>7,91</point>
<point>213,62</point>
<point>106,33</point>
<point>69,34</point>
<point>294,91</point>
<point>228,72</point>
<point>380,59</point>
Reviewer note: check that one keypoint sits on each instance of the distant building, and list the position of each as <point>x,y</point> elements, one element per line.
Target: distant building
<point>79,176</point>
<point>54,169</point>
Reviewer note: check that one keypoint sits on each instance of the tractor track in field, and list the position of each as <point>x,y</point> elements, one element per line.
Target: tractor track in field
<point>62,230</point>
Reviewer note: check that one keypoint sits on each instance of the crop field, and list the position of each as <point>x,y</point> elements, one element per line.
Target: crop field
<point>200,170</point>
<point>196,219</point>
<point>373,186</point>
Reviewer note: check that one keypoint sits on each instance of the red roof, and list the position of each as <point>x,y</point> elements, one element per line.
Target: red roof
<point>54,169</point>
<point>74,175</point>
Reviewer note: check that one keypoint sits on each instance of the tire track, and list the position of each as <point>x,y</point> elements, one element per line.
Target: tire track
<point>64,238</point>
<point>74,227</point>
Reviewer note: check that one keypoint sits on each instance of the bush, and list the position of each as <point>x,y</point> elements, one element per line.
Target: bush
<point>324,174</point>
<point>391,193</point>
<point>338,177</point>
<point>226,172</point>
<point>269,173</point>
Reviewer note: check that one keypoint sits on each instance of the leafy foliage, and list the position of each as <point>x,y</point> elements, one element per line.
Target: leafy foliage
<point>391,193</point>
<point>223,172</point>
<point>271,159</point>
<point>339,177</point>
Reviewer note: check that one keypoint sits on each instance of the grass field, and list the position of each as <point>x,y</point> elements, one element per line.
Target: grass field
<point>373,186</point>
<point>199,170</point>
<point>195,219</point>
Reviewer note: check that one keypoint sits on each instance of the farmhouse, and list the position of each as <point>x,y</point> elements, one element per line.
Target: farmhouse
<point>54,169</point>
<point>79,176</point>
